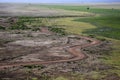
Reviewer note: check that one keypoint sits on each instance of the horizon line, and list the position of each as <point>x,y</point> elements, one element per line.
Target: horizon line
<point>62,2</point>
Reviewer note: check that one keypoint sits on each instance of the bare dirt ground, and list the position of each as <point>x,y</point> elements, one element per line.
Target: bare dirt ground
<point>51,50</point>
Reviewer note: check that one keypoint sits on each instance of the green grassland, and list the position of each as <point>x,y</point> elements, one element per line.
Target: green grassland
<point>106,26</point>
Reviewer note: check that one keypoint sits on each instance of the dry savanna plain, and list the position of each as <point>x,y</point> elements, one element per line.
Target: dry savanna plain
<point>59,41</point>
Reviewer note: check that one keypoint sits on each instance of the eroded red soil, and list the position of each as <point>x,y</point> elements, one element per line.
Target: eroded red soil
<point>71,49</point>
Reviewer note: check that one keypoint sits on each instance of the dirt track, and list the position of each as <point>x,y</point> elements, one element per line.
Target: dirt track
<point>74,50</point>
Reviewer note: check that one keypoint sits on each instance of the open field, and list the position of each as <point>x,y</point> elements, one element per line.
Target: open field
<point>34,10</point>
<point>59,42</point>
<point>106,6</point>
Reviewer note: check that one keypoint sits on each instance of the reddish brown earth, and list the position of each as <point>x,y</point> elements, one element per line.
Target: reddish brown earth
<point>74,50</point>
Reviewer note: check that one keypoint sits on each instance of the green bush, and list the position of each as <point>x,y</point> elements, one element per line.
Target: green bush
<point>19,26</point>
<point>34,66</point>
<point>2,28</point>
<point>101,39</point>
<point>60,78</point>
<point>36,29</point>
<point>60,31</point>
<point>45,77</point>
<point>34,78</point>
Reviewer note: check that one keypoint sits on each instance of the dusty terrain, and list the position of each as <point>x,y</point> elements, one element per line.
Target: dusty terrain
<point>40,50</point>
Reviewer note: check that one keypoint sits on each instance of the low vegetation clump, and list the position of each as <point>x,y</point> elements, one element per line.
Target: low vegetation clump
<point>45,77</point>
<point>19,26</point>
<point>3,42</point>
<point>34,78</point>
<point>34,66</point>
<point>60,78</point>
<point>36,29</point>
<point>2,28</point>
<point>60,31</point>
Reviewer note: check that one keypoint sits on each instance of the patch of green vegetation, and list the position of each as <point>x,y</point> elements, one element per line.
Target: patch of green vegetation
<point>2,28</point>
<point>34,78</point>
<point>106,26</point>
<point>45,77</point>
<point>114,57</point>
<point>59,31</point>
<point>34,66</point>
<point>72,26</point>
<point>92,75</point>
<point>19,26</point>
<point>101,39</point>
<point>36,29</point>
<point>95,75</point>
<point>60,78</point>
<point>31,23</point>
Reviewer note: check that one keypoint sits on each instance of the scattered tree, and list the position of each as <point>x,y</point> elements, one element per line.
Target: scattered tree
<point>88,8</point>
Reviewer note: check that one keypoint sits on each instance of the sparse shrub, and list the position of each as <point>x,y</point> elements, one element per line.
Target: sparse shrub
<point>89,40</point>
<point>60,78</point>
<point>101,39</point>
<point>60,31</point>
<point>44,21</point>
<point>34,78</point>
<point>19,26</point>
<point>29,35</point>
<point>34,66</point>
<point>2,28</point>
<point>36,29</point>
<point>92,36</point>
<point>45,77</point>
<point>28,66</point>
<point>88,8</point>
